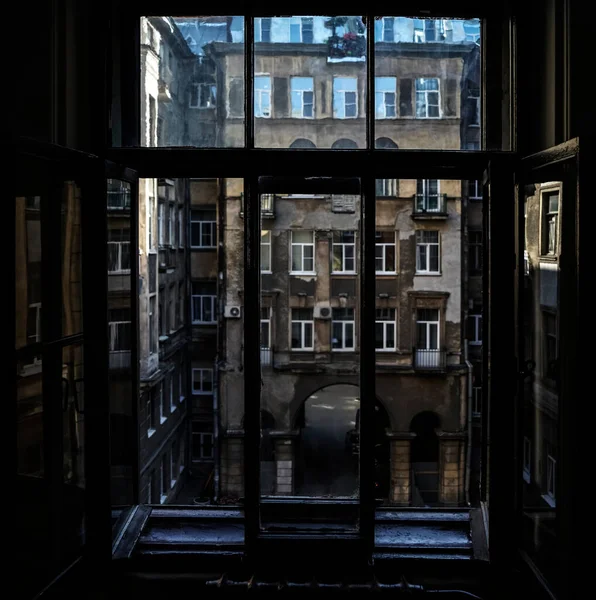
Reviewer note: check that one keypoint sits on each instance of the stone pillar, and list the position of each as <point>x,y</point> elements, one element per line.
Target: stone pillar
<point>284,445</point>
<point>232,464</point>
<point>452,474</point>
<point>400,487</point>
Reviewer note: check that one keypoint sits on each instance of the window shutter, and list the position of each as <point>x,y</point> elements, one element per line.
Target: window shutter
<point>451,98</point>
<point>236,98</point>
<point>405,98</point>
<point>280,96</point>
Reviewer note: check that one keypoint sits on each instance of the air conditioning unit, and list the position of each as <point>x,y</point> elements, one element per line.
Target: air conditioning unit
<point>232,312</point>
<point>323,311</point>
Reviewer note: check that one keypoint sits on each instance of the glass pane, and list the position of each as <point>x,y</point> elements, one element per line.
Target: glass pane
<point>540,421</point>
<point>419,330</point>
<point>309,444</point>
<point>184,99</point>
<point>314,90</point>
<point>71,260</point>
<point>432,67</point>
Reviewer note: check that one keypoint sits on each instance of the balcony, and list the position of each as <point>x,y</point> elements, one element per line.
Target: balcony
<point>430,206</point>
<point>267,206</point>
<point>350,47</point>
<point>119,359</point>
<point>429,359</point>
<point>119,199</point>
<point>266,356</point>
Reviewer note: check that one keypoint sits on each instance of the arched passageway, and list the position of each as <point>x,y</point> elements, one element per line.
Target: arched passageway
<point>424,458</point>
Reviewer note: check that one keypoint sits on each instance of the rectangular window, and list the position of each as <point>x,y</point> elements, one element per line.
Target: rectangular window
<point>202,442</point>
<point>120,329</point>
<point>550,210</point>
<point>427,196</point>
<point>161,218</point>
<point>204,302</point>
<point>172,225</point>
<point>119,251</point>
<point>344,252</point>
<point>164,479</point>
<point>202,382</point>
<point>549,367</point>
<point>475,252</point>
<point>262,96</point>
<point>173,464</point>
<point>476,401</point>
<point>181,382</point>
<point>428,354</point>
<point>171,392</point>
<point>385,252</point>
<point>152,336</point>
<point>303,97</point>
<point>150,234</point>
<point>301,30</point>
<point>150,407</point>
<point>388,32</point>
<point>180,227</point>
<point>551,479</point>
<point>303,252</point>
<point>527,458</point>
<point>302,329</point>
<point>202,95</point>
<point>263,29</point>
<point>474,107</point>
<point>427,251</point>
<point>385,329</point>
<point>266,251</point>
<point>345,97</point>
<point>203,228</point>
<point>385,97</point>
<point>265,327</point>
<point>475,329</point>
<point>386,187</point>
<point>427,98</point>
<point>474,190</point>
<point>342,329</point>
<point>162,403</point>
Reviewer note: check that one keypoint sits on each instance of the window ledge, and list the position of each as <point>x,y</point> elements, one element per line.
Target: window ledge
<point>310,273</point>
<point>163,498</point>
<point>390,273</point>
<point>182,399</point>
<point>150,432</point>
<point>549,500</point>
<point>344,273</point>
<point>427,274</point>
<point>173,408</point>
<point>172,483</point>
<point>162,420</point>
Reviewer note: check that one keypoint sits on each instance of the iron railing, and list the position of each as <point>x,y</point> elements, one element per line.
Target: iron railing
<point>119,199</point>
<point>429,358</point>
<point>119,359</point>
<point>266,356</point>
<point>430,204</point>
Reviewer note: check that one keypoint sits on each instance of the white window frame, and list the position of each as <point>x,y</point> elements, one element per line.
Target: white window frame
<point>171,225</point>
<point>384,29</point>
<point>162,409</point>
<point>477,193</point>
<point>344,259</point>
<point>258,96</point>
<point>527,459</point>
<point>180,227</point>
<point>426,195</point>
<point>162,478</point>
<point>551,481</point>
<point>339,98</point>
<point>303,325</point>
<point>425,95</point>
<point>302,246</point>
<point>173,470</point>
<point>297,112</point>
<point>212,300</point>
<point>205,226</point>
<point>299,22</point>
<point>150,408</point>
<point>345,323</point>
<point>428,324</point>
<point>119,270</point>
<point>202,435</point>
<point>171,391</point>
<point>550,220</point>
<point>386,323</point>
<point>474,97</point>
<point>266,321</point>
<point>150,232</point>
<point>202,378</point>
<point>259,29</point>
<point>477,320</point>
<point>113,327</point>
<point>426,268</point>
<point>383,257</point>
<point>381,97</point>
<point>265,246</point>
<point>37,336</point>
<point>161,216</point>
<point>386,188</point>
<point>476,400</point>
<point>199,87</point>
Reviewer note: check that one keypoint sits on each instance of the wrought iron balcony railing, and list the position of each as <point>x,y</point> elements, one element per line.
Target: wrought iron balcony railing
<point>430,206</point>
<point>119,199</point>
<point>429,358</point>
<point>266,356</point>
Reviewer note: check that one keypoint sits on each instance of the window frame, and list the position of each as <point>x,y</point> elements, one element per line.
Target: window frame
<point>302,246</point>
<point>298,113</point>
<point>343,258</point>
<point>419,244</point>
<point>268,245</point>
<point>382,94</point>
<point>199,87</point>
<point>385,323</point>
<point>303,325</point>
<point>426,104</point>
<point>213,300</point>
<point>340,103</point>
<point>211,225</point>
<point>383,246</point>
<point>476,320</point>
<point>345,323</point>
<point>202,371</point>
<point>258,93</point>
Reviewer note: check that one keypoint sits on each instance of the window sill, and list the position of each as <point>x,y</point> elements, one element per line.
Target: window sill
<point>427,274</point>
<point>172,483</point>
<point>266,272</point>
<point>344,273</point>
<point>389,273</point>
<point>302,349</point>
<point>182,399</point>
<point>173,408</point>
<point>203,247</point>
<point>150,432</point>
<point>549,500</point>
<point>385,350</point>
<point>310,273</point>
<point>125,272</point>
<point>475,343</point>
<point>162,498</point>
<point>204,322</point>
<point>162,420</point>
<point>343,349</point>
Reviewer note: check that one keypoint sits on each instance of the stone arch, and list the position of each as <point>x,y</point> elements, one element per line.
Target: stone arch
<point>385,143</point>
<point>302,143</point>
<point>344,144</point>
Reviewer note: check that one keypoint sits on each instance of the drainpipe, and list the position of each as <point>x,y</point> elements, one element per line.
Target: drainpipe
<point>469,426</point>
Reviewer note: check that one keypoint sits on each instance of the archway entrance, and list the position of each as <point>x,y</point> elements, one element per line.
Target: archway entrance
<point>424,458</point>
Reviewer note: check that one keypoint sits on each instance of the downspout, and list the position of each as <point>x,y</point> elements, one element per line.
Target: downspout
<point>469,426</point>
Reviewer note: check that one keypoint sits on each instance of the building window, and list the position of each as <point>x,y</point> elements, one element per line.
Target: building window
<point>386,187</point>
<point>527,470</point>
<point>550,209</point>
<point>475,329</point>
<point>266,251</point>
<point>202,95</point>
<point>171,392</point>
<point>161,217</point>
<point>475,252</point>
<point>474,190</point>
<point>427,337</point>
<point>164,479</point>
<point>344,252</point>
<point>551,477</point>
<point>549,367</point>
<point>427,251</point>
<point>162,404</point>
<point>150,407</point>
<point>152,336</point>
<point>34,323</point>
<point>474,107</point>
<point>150,234</point>
<point>303,98</point>
<point>181,382</point>
<point>265,327</point>
<point>203,303</point>
<point>303,252</point>
<point>181,227</point>
<point>427,195</point>
<point>202,382</point>
<point>262,96</point>
<point>119,251</point>
<point>202,442</point>
<point>427,98</point>
<point>182,454</point>
<point>388,33</point>
<point>342,329</point>
<point>203,228</point>
<point>302,329</point>
<point>385,97</point>
<point>476,401</point>
<point>301,30</point>
<point>172,225</point>
<point>472,31</point>
<point>120,329</point>
<point>385,329</point>
<point>345,97</point>
<point>263,29</point>
<point>151,487</point>
<point>173,464</point>
<point>385,252</point>
<point>418,31</point>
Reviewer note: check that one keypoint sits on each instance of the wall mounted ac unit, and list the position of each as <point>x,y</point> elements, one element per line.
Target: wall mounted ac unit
<point>232,312</point>
<point>323,311</point>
